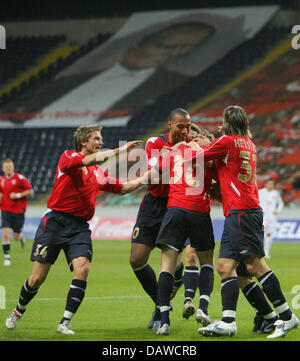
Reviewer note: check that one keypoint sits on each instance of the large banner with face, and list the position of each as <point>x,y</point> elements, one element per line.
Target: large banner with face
<point>179,43</point>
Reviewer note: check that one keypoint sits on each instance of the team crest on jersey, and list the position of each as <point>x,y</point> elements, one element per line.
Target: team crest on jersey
<point>13,181</point>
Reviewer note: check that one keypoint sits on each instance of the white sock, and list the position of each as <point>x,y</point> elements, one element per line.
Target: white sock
<point>268,244</point>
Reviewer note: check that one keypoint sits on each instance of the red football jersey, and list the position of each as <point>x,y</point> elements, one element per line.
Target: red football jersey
<point>157,148</point>
<point>76,186</point>
<point>188,187</point>
<point>17,183</point>
<point>236,165</point>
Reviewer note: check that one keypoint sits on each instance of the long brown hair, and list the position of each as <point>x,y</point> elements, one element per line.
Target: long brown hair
<point>235,122</point>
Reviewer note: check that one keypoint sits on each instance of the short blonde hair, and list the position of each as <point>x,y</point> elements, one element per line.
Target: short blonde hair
<point>7,160</point>
<point>83,133</point>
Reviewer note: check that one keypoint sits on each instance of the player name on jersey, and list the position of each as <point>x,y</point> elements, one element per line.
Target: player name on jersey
<point>243,143</point>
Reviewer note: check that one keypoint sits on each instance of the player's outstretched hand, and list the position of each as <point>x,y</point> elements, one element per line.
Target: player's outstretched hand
<point>193,145</point>
<point>177,145</point>
<point>203,141</point>
<point>130,145</point>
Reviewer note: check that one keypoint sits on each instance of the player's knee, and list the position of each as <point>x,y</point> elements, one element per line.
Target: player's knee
<point>257,266</point>
<point>17,236</point>
<point>136,262</point>
<point>82,271</point>
<point>244,281</point>
<point>220,269</point>
<point>191,259</point>
<point>5,237</point>
<point>36,280</point>
<point>138,258</point>
<point>132,262</point>
<point>225,269</point>
<point>85,272</point>
<point>81,267</point>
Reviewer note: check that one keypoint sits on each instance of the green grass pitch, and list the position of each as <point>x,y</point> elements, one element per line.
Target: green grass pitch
<point>116,308</point>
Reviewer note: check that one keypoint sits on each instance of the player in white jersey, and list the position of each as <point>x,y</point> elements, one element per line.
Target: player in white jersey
<point>272,204</point>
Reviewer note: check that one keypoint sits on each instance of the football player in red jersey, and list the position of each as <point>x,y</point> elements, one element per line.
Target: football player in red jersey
<point>187,217</point>
<point>14,190</point>
<point>265,316</point>
<point>191,278</point>
<point>243,234</point>
<point>64,226</point>
<point>153,207</point>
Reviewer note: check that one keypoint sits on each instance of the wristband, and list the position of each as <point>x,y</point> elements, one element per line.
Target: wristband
<point>18,195</point>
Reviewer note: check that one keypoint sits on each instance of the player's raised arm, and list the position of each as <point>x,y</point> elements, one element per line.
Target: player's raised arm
<point>101,157</point>
<point>88,142</point>
<point>215,150</point>
<point>135,184</point>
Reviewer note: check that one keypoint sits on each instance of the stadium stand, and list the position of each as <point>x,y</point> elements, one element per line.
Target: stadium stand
<point>36,150</point>
<point>17,64</point>
<point>201,86</point>
<point>274,111</point>
<point>25,51</point>
<point>21,93</point>
<point>270,96</point>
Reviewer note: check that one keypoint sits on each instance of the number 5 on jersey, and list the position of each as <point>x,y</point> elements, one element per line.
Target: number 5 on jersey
<point>248,166</point>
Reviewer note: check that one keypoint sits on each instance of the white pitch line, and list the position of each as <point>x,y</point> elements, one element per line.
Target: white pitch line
<point>106,297</point>
<point>86,298</point>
